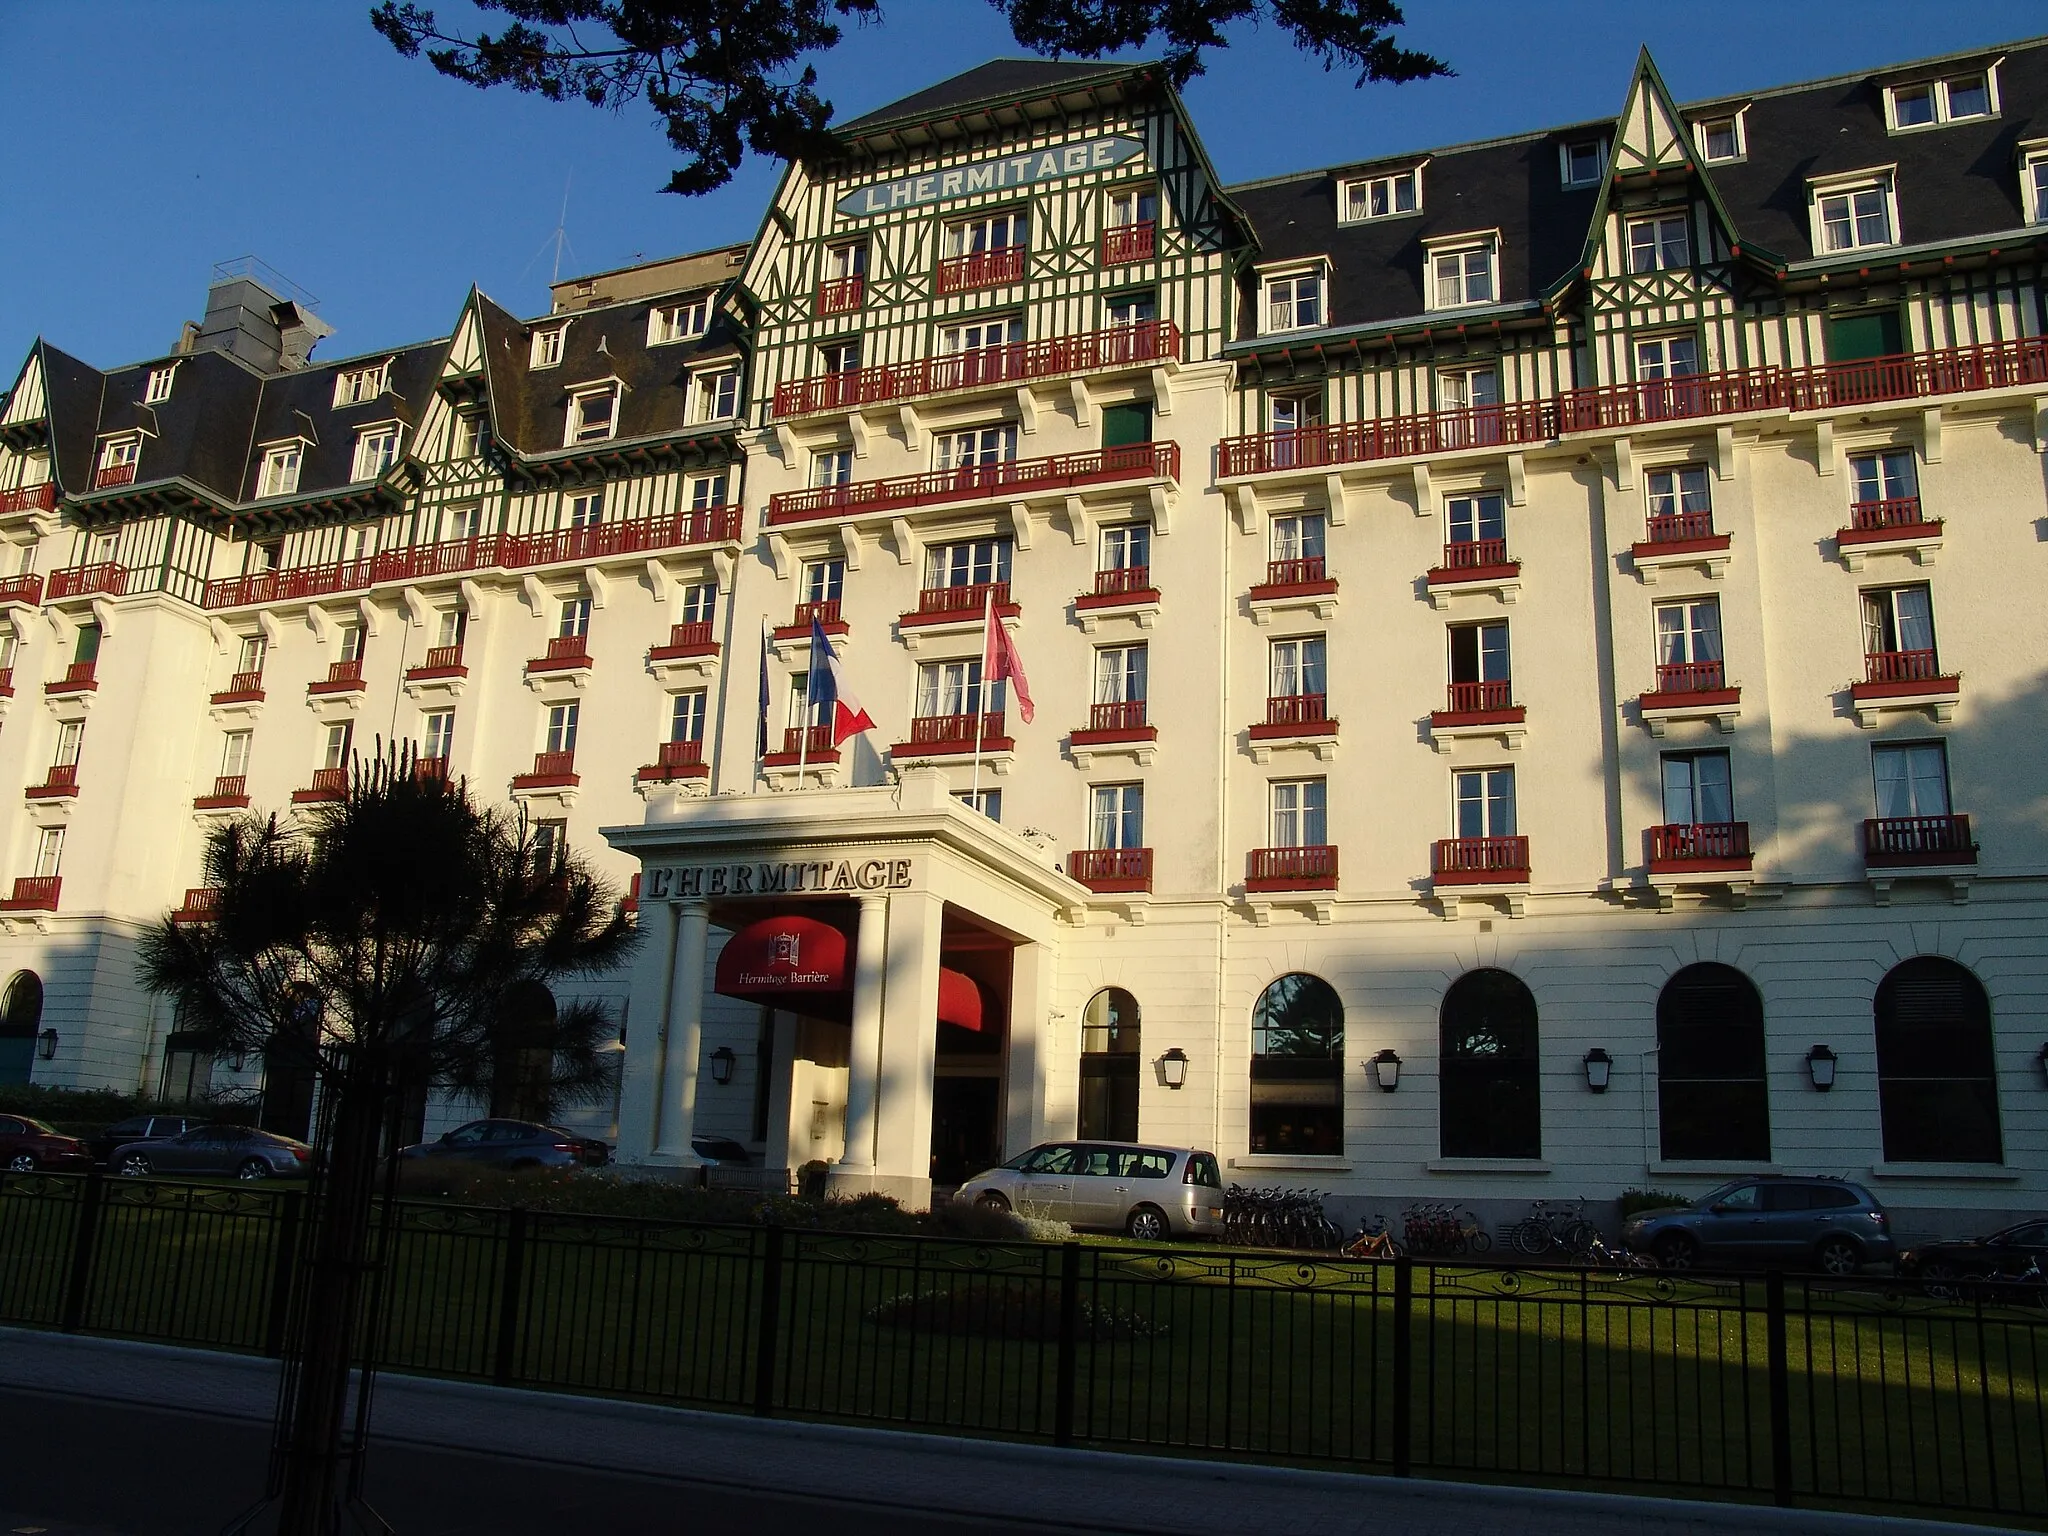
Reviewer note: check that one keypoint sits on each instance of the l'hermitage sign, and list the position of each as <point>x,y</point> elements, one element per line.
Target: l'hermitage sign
<point>1027,169</point>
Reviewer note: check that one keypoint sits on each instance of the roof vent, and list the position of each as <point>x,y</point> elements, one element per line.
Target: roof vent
<point>259,315</point>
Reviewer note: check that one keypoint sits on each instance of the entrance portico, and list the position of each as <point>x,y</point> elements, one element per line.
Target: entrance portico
<point>905,916</point>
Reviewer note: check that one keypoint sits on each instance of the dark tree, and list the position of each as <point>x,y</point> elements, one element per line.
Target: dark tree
<point>390,944</point>
<point>723,77</point>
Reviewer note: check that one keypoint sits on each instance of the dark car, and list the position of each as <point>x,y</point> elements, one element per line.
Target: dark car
<point>140,1128</point>
<point>1779,1222</point>
<point>241,1150</point>
<point>722,1150</point>
<point>29,1146</point>
<point>514,1144</point>
<point>2004,1255</point>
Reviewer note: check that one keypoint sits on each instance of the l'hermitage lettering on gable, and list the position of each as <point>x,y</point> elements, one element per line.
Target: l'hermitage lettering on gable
<point>990,176</point>
<point>815,878</point>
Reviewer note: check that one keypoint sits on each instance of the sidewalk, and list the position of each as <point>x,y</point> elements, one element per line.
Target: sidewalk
<point>1022,1486</point>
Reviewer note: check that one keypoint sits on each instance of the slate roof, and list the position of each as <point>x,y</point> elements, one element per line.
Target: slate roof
<point>991,81</point>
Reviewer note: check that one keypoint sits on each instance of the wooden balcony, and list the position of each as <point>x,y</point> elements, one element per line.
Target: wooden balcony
<point>201,905</point>
<point>1123,592</point>
<point>1893,526</point>
<point>1109,871</point>
<point>442,661</point>
<point>342,677</point>
<point>565,653</point>
<point>551,770</point>
<point>1393,437</point>
<point>1479,861</point>
<point>103,578</point>
<point>33,893</point>
<point>26,589</point>
<point>61,784</point>
<point>954,736</point>
<point>1904,680</point>
<point>979,482</point>
<point>29,498</point>
<point>431,770</point>
<point>1487,703</point>
<point>329,785</point>
<point>1126,243</point>
<point>1690,690</point>
<point>1475,560</point>
<point>983,269</point>
<point>1906,842</point>
<point>1680,538</point>
<point>806,745</point>
<point>1680,527</point>
<point>825,611</point>
<point>1018,362</point>
<point>1699,848</point>
<point>1291,715</point>
<point>956,605</point>
<point>685,641</point>
<point>1310,868</point>
<point>78,678</point>
<point>108,476</point>
<point>675,760</point>
<point>242,688</point>
<point>1123,718</point>
<point>841,296</point>
<point>230,793</point>
<point>6,682</point>
<point>713,525</point>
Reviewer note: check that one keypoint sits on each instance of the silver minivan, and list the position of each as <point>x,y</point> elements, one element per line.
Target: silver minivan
<point>1118,1186</point>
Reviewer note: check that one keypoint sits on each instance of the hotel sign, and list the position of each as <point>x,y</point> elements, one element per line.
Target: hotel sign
<point>818,877</point>
<point>1022,170</point>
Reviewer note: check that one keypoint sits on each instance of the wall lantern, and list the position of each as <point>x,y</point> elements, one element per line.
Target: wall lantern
<point>1386,1070</point>
<point>1173,1068</point>
<point>1599,1068</point>
<point>721,1065</point>
<point>1820,1064</point>
<point>46,1045</point>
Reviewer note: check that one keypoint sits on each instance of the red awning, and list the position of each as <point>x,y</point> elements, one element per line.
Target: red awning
<point>959,999</point>
<point>804,965</point>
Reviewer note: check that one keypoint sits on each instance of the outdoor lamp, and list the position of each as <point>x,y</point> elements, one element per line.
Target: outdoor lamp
<point>1820,1064</point>
<point>46,1045</point>
<point>1599,1067</point>
<point>1386,1070</point>
<point>721,1065</point>
<point>1173,1068</point>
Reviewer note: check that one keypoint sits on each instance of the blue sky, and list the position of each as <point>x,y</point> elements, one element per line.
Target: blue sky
<point>289,130</point>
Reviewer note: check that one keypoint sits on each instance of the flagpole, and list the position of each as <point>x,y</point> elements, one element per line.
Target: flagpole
<point>803,729</point>
<point>988,614</point>
<point>761,730</point>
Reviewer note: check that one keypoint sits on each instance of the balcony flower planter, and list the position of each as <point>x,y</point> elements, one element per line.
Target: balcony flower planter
<point>230,792</point>
<point>1680,539</point>
<point>61,784</point>
<point>551,770</point>
<point>1895,680</point>
<point>242,688</point>
<point>1477,566</point>
<point>329,785</point>
<point>675,760</point>
<point>1112,871</point>
<point>1691,690</point>
<point>342,677</point>
<point>1484,709</point>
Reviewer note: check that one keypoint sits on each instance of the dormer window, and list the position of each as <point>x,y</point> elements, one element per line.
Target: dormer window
<point>118,460</point>
<point>1852,214</point>
<point>353,386</point>
<point>715,396</point>
<point>280,473</point>
<point>2034,184</point>
<point>547,346</point>
<point>1580,165</point>
<point>472,435</point>
<point>1293,300</point>
<point>1380,197</point>
<point>376,451</point>
<point>1720,138</point>
<point>1931,103</point>
<point>678,322</point>
<point>1660,243</point>
<point>593,414</point>
<point>158,389</point>
<point>1463,271</point>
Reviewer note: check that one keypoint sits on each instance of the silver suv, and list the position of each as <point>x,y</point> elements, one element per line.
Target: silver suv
<point>1119,1186</point>
<point>1781,1222</point>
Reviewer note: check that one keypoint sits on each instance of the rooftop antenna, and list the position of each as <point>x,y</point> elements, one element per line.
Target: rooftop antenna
<point>559,239</point>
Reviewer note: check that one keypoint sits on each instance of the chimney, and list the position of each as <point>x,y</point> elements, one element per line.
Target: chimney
<point>259,316</point>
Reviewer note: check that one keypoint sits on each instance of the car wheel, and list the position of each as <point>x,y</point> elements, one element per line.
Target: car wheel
<point>1148,1224</point>
<point>989,1200</point>
<point>253,1168</point>
<point>1676,1250</point>
<point>1837,1256</point>
<point>133,1166</point>
<point>22,1162</point>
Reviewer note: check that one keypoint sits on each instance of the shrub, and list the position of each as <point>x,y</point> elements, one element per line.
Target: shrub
<point>1635,1200</point>
<point>86,1111</point>
<point>1007,1309</point>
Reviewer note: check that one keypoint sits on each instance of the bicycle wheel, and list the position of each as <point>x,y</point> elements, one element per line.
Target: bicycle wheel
<point>1480,1240</point>
<point>1580,1238</point>
<point>1531,1238</point>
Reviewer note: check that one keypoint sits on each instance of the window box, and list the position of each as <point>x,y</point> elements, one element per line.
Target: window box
<point>676,760</point>
<point>1485,709</point>
<point>101,578</point>
<point>230,792</point>
<point>1475,566</point>
<point>201,905</point>
<point>1699,848</point>
<point>443,661</point>
<point>1690,690</point>
<point>1108,871</point>
<point>1127,243</point>
<point>551,770</point>
<point>1311,868</point>
<point>342,677</point>
<point>954,736</point>
<point>33,893</point>
<point>60,784</point>
<point>329,785</point>
<point>1904,680</point>
<point>1003,482</point>
<point>1895,525</point>
<point>982,269</point>
<point>1302,583</point>
<point>242,688</point>
<point>78,678</point>
<point>1479,861</point>
<point>1918,842</point>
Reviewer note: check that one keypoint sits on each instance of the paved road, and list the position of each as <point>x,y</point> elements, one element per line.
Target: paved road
<point>104,1438</point>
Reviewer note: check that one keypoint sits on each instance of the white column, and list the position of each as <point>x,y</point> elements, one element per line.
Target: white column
<point>864,1058</point>
<point>678,1108</point>
<point>647,1032</point>
<point>910,1008</point>
<point>781,1092</point>
<point>1024,1071</point>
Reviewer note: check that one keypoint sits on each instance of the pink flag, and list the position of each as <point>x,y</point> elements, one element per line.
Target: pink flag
<point>1001,663</point>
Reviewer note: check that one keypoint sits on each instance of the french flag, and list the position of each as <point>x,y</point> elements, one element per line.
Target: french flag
<point>828,686</point>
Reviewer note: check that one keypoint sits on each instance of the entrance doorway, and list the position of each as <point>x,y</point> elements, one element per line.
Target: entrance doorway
<point>967,1134</point>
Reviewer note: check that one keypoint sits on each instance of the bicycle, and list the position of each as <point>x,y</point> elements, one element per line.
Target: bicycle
<point>1374,1242</point>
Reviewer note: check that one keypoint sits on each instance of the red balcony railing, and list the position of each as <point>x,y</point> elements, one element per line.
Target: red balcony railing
<point>1298,709</point>
<point>1014,362</point>
<point>564,653</point>
<point>960,602</point>
<point>1655,400</point>
<point>1129,242</point>
<point>78,678</point>
<point>1061,471</point>
<point>26,588</point>
<point>88,581</point>
<point>1123,580</point>
<point>1900,667</point>
<point>111,475</point>
<point>29,498</point>
<point>1916,375</point>
<point>1304,571</point>
<point>1480,861</point>
<point>1692,676</point>
<point>6,682</point>
<point>342,677</point>
<point>34,893</point>
<point>1475,555</point>
<point>1393,437</point>
<point>328,784</point>
<point>1105,870</point>
<point>1125,715</point>
<point>1897,840</point>
<point>242,688</point>
<point>551,770</point>
<point>675,760</point>
<point>230,792</point>
<point>1698,844</point>
<point>692,639</point>
<point>430,770</point>
<point>1680,527</point>
<point>1473,698</point>
<point>841,295</point>
<point>1893,512</point>
<point>441,661</point>
<point>713,525</point>
<point>956,732</point>
<point>811,743</point>
<point>825,610</point>
<point>983,269</point>
<point>201,905</point>
<point>60,784</point>
<point>1310,868</point>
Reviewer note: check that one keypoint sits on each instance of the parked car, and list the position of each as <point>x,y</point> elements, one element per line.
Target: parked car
<point>510,1144</point>
<point>1118,1186</point>
<point>241,1150</point>
<point>1782,1221</point>
<point>722,1150</point>
<point>2008,1254</point>
<point>29,1146</point>
<point>140,1128</point>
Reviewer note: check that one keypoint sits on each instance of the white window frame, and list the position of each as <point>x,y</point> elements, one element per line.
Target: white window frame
<point>681,320</point>
<point>708,491</point>
<point>705,390</point>
<point>549,342</point>
<point>686,715</point>
<point>976,235</point>
<point>1658,225</point>
<point>1848,185</point>
<point>574,430</point>
<point>975,447</point>
<point>583,509</point>
<point>1486,780</point>
<point>360,386</point>
<point>234,753</point>
<point>1665,373</point>
<point>472,431</point>
<point>365,466</point>
<point>437,733</point>
<point>157,388</point>
<point>2034,181</point>
<point>1303,806</point>
<point>279,474</point>
<point>1738,126</point>
<point>700,602</point>
<point>1123,310</point>
<point>823,580</point>
<point>1291,277</point>
<point>1379,196</point>
<point>559,726</point>
<point>1116,816</point>
<point>1123,673</point>
<point>844,259</point>
<point>117,451</point>
<point>979,333</point>
<point>1564,162</point>
<point>1486,242</point>
<point>49,852</point>
<point>1939,89</point>
<point>830,467</point>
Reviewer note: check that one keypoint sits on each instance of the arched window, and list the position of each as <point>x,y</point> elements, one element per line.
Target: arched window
<point>1712,1104</point>
<point>1492,1101</point>
<point>1109,1066</point>
<point>1298,1067</point>
<point>523,1055</point>
<point>21,1016</point>
<point>1937,1080</point>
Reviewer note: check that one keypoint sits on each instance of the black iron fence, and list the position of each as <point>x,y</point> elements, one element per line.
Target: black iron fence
<point>1791,1388</point>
